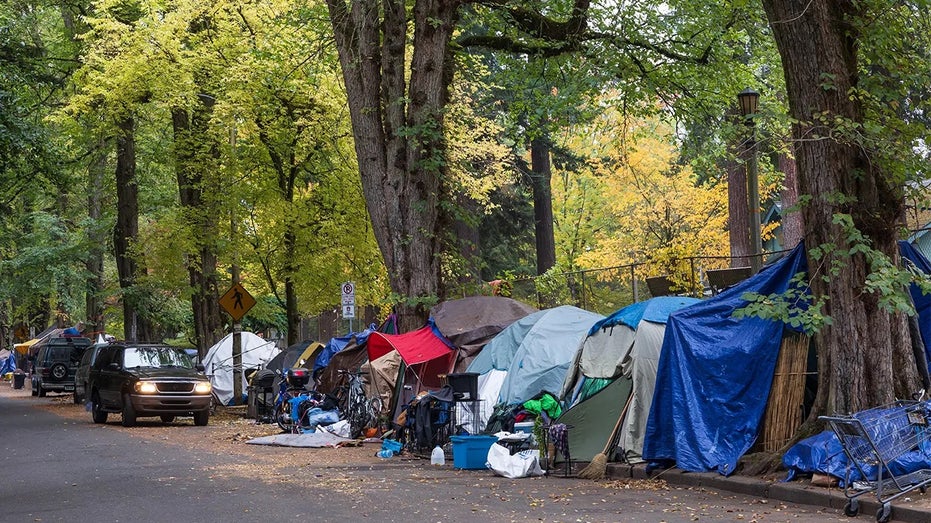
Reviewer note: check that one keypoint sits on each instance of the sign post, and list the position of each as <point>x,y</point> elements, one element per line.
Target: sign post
<point>349,301</point>
<point>237,301</point>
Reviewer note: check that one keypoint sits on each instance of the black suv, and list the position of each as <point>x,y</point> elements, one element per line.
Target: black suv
<point>147,380</point>
<point>54,364</point>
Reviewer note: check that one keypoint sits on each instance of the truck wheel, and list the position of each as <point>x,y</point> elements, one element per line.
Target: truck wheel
<point>129,413</point>
<point>42,391</point>
<point>34,388</point>
<point>167,418</point>
<point>98,415</point>
<point>201,417</point>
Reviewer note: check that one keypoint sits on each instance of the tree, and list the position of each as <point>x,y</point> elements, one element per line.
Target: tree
<point>854,72</point>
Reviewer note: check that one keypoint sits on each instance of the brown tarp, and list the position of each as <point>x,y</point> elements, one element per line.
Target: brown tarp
<point>350,358</point>
<point>470,323</point>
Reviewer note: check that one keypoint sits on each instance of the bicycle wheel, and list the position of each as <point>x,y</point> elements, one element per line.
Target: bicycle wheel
<point>283,416</point>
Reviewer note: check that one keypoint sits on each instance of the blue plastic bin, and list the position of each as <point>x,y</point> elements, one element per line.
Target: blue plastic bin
<point>471,452</point>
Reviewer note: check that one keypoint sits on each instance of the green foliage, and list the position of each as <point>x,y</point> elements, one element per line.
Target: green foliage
<point>795,307</point>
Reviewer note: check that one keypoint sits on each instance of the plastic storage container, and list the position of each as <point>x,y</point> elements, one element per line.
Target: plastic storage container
<point>471,452</point>
<point>524,426</point>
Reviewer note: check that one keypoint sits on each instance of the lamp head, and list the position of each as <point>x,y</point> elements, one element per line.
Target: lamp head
<point>748,99</point>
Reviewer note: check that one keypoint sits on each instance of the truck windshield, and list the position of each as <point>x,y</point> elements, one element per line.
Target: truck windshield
<point>156,357</point>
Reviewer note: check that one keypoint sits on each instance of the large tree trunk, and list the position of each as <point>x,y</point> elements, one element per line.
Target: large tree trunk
<point>96,239</point>
<point>865,356</point>
<point>792,223</point>
<point>397,123</point>
<point>135,325</point>
<point>738,210</point>
<point>190,135</point>
<point>542,173</point>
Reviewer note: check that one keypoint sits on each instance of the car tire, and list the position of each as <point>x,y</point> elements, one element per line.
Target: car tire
<point>129,413</point>
<point>98,415</point>
<point>41,390</point>
<point>34,388</point>
<point>76,398</point>
<point>167,418</point>
<point>201,418</point>
<point>59,371</point>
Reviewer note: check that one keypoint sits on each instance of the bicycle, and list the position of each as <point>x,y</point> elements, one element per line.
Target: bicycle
<point>355,407</point>
<point>289,403</point>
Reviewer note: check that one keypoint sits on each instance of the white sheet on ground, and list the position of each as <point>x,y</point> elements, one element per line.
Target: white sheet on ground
<point>310,439</point>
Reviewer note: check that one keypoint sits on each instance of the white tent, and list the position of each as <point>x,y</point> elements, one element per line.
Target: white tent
<point>218,363</point>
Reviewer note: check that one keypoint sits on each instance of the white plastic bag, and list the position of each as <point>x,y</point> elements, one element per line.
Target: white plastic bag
<point>521,465</point>
<point>340,428</point>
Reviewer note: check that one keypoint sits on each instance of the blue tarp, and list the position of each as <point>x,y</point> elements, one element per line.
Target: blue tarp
<point>656,310</point>
<point>922,301</point>
<point>339,343</point>
<point>714,376</point>
<point>8,364</point>
<point>887,427</point>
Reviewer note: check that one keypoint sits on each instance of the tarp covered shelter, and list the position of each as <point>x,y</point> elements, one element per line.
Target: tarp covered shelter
<point>922,301</point>
<point>531,355</point>
<point>616,362</point>
<point>425,352</point>
<point>714,376</point>
<point>218,363</point>
<point>337,344</point>
<point>470,323</point>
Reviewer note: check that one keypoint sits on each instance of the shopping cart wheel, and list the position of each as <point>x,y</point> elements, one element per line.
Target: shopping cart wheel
<point>884,514</point>
<point>851,508</point>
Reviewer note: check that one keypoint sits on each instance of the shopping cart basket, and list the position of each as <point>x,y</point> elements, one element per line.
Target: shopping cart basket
<point>873,440</point>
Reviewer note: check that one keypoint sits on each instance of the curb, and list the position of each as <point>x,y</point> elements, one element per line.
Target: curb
<point>789,492</point>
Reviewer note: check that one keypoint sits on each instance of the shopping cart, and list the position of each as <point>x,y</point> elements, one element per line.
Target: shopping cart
<point>873,441</point>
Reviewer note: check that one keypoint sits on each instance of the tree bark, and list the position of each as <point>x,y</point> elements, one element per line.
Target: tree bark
<point>542,174</point>
<point>190,136</point>
<point>738,211</point>
<point>96,239</point>
<point>865,356</point>
<point>792,223</point>
<point>135,325</point>
<point>397,123</point>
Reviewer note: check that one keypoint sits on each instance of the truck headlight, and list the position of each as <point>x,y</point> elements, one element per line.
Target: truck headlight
<point>146,387</point>
<point>202,387</point>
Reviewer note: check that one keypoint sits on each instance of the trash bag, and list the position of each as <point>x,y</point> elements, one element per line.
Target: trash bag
<point>524,464</point>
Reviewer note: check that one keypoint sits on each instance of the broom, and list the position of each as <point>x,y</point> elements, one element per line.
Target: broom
<point>599,464</point>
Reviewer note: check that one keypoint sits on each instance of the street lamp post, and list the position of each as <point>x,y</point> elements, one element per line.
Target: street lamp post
<point>748,100</point>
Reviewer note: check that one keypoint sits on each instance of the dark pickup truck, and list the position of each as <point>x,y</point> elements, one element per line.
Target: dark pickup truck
<point>138,380</point>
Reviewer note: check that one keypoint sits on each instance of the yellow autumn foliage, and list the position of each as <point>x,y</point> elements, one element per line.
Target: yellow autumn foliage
<point>634,204</point>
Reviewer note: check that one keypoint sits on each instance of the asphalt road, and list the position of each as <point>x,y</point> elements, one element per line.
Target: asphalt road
<point>67,469</point>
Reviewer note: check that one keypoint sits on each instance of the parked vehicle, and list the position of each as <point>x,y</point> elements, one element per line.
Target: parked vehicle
<point>138,380</point>
<point>55,364</point>
<point>84,367</point>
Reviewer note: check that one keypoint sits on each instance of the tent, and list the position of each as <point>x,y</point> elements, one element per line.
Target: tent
<point>714,375</point>
<point>350,357</point>
<point>531,355</point>
<point>616,362</point>
<point>218,362</point>
<point>7,361</point>
<point>337,344</point>
<point>426,354</point>
<point>469,323</point>
<point>300,354</point>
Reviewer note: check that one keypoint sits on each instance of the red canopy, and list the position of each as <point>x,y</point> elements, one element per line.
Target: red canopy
<point>423,350</point>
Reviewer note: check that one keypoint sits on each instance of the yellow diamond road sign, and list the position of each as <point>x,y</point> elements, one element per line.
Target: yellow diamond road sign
<point>237,301</point>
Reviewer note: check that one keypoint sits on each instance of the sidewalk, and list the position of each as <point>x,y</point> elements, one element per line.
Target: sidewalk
<point>913,507</point>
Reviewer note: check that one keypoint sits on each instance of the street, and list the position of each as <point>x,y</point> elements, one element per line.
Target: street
<point>59,466</point>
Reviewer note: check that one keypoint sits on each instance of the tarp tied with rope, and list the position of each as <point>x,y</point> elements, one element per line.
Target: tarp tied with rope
<point>425,351</point>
